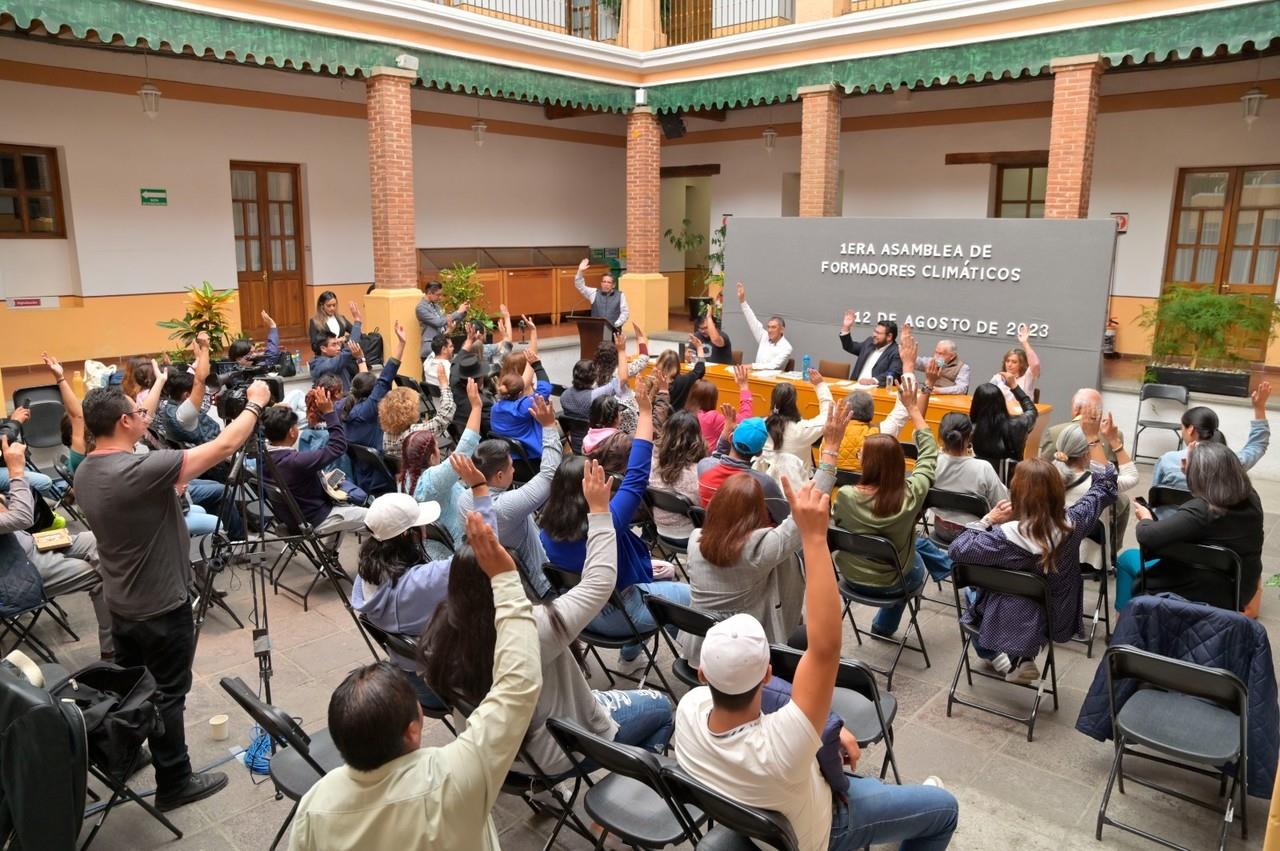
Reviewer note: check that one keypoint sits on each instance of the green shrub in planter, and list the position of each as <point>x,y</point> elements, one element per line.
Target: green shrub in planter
<point>1198,327</point>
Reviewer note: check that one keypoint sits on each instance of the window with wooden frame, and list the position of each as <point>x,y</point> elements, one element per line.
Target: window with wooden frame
<point>1020,191</point>
<point>30,193</point>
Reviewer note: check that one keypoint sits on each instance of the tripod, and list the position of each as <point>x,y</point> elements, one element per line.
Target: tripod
<point>267,497</point>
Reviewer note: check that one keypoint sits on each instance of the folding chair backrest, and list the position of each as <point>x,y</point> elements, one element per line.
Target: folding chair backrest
<point>44,427</point>
<point>277,723</point>
<point>366,458</point>
<point>1219,560</point>
<point>1160,496</point>
<point>284,509</point>
<point>911,451</point>
<point>966,503</point>
<point>390,642</point>
<point>676,503</point>
<point>1163,391</point>
<point>27,396</point>
<point>560,578</point>
<point>847,478</point>
<point>576,430</point>
<point>439,534</point>
<point>852,674</point>
<point>687,619</point>
<point>869,547</point>
<point>1213,684</point>
<point>760,825</point>
<point>627,760</point>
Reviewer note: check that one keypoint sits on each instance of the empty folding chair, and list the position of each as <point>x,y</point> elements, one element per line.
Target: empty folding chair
<point>865,710</point>
<point>1029,586</point>
<point>1192,717</point>
<point>687,620</point>
<point>734,821</point>
<point>881,550</point>
<point>632,802</point>
<point>1159,391</point>
<point>301,759</point>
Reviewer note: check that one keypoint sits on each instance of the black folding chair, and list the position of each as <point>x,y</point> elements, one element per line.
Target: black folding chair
<point>13,611</point>
<point>1194,718</point>
<point>395,645</point>
<point>875,548</point>
<point>371,471</point>
<point>734,821</point>
<point>526,468</point>
<point>1165,500</point>
<point>632,802</point>
<point>937,499</point>
<point>562,581</point>
<point>65,497</point>
<point>997,580</point>
<point>686,619</point>
<point>1222,563</point>
<point>1100,534</point>
<point>1158,391</point>
<point>44,427</point>
<point>674,503</point>
<point>865,710</point>
<point>301,759</point>
<point>27,396</point>
<point>575,429</point>
<point>910,450</point>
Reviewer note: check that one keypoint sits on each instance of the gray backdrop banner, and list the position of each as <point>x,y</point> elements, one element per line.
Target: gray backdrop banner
<point>968,280</point>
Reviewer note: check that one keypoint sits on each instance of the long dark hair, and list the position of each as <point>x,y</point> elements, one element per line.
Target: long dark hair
<point>1204,421</point>
<point>361,387</point>
<point>884,470</point>
<point>783,410</point>
<point>564,517</point>
<point>383,562</point>
<point>1039,502</point>
<point>681,446</point>
<point>989,414</point>
<point>956,430</point>
<point>415,457</point>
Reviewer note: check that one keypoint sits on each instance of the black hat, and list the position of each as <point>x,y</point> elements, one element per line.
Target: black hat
<point>470,365</point>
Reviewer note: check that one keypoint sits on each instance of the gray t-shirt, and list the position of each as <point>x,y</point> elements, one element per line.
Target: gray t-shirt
<point>143,546</point>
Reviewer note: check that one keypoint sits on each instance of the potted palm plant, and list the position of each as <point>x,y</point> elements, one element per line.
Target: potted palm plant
<point>460,284</point>
<point>206,312</point>
<point>1197,333</point>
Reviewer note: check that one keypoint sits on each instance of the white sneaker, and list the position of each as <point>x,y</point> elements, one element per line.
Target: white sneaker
<point>1001,664</point>
<point>933,780</point>
<point>631,666</point>
<point>1025,674</point>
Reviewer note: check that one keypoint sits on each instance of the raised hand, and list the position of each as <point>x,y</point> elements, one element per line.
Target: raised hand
<point>322,401</point>
<point>1108,429</point>
<point>742,293</point>
<point>741,372</point>
<point>15,456</point>
<point>1091,420</point>
<point>466,470</point>
<point>54,366</point>
<point>909,395</point>
<point>355,311</point>
<point>400,332</point>
<point>202,340</point>
<point>442,377</point>
<point>815,377</point>
<point>640,337</point>
<point>543,412</point>
<point>596,487</point>
<point>493,558</point>
<point>267,320</point>
<point>473,393</point>
<point>582,267</point>
<point>1260,395</point>
<point>847,325</point>
<point>356,351</point>
<point>908,350</point>
<point>620,340</point>
<point>1024,334</point>
<point>932,372</point>
<point>837,422</point>
<point>661,382</point>
<point>643,400</point>
<point>730,414</point>
<point>810,509</point>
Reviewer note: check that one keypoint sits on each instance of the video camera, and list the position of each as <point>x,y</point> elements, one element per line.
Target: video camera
<point>232,399</point>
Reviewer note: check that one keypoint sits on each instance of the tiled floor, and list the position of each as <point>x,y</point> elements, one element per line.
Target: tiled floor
<point>1014,794</point>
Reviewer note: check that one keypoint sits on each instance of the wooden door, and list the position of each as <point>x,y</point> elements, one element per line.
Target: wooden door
<point>267,216</point>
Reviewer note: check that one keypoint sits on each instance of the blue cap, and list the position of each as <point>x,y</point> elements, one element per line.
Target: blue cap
<point>750,435</point>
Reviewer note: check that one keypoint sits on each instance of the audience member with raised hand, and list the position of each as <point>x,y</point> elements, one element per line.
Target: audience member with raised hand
<point>767,760</point>
<point>709,341</point>
<point>360,408</point>
<point>576,400</point>
<point>1020,369</point>
<point>773,348</point>
<point>429,479</point>
<point>740,562</point>
<point>953,373</point>
<point>395,589</point>
<point>183,413</point>
<point>899,416</point>
<point>681,383</point>
<point>392,792</point>
<point>1073,460</point>
<point>398,415</point>
<point>789,450</point>
<point>607,301</point>
<point>513,413</point>
<point>338,355</point>
<point>886,502</point>
<point>1200,424</point>
<point>1000,438</point>
<point>73,431</point>
<point>704,399</point>
<point>1224,510</point>
<point>959,472</point>
<point>1034,531</point>
<point>516,507</point>
<point>564,535</point>
<point>603,421</point>
<point>299,472</point>
<point>737,447</point>
<point>679,450</point>
<point>877,358</point>
<point>131,501</point>
<point>441,358</point>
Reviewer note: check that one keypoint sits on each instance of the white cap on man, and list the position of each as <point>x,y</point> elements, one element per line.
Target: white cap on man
<point>735,655</point>
<point>393,514</point>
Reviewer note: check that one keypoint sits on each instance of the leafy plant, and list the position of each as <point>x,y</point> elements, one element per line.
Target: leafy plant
<point>1203,325</point>
<point>687,239</point>
<point>206,311</point>
<point>461,283</point>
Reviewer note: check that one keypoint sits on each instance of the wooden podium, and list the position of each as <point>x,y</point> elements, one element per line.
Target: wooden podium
<point>592,330</point>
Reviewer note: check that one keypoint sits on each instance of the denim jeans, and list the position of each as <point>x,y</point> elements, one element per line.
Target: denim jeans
<point>644,717</point>
<point>200,522</point>
<point>611,622</point>
<point>209,496</point>
<point>887,619</point>
<point>428,698</point>
<point>1128,568</point>
<point>934,557</point>
<point>38,481</point>
<point>918,818</point>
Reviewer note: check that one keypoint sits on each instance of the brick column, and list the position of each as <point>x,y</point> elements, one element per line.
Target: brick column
<point>643,284</point>
<point>819,150</point>
<point>1071,136</point>
<point>395,262</point>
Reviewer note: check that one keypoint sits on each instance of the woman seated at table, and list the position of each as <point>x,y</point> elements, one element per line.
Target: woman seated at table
<point>1034,532</point>
<point>789,451</point>
<point>564,537</point>
<point>959,472</point>
<point>680,449</point>
<point>703,401</point>
<point>1021,369</point>
<point>740,562</point>
<point>998,436</point>
<point>669,363</point>
<point>1225,510</point>
<point>886,503</point>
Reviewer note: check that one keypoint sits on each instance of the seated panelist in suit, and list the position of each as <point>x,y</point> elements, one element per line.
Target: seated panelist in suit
<point>877,358</point>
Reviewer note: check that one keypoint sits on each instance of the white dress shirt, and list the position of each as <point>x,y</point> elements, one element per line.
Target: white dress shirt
<point>769,355</point>
<point>871,363</point>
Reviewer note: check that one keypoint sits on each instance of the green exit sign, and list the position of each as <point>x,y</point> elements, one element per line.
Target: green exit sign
<point>154,197</point>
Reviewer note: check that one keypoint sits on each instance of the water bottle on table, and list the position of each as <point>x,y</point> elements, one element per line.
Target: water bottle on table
<point>804,366</point>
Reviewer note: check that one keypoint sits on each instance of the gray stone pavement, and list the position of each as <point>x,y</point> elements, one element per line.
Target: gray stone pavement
<point>1014,794</point>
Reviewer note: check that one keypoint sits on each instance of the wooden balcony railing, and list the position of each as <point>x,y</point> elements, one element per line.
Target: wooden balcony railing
<point>686,21</point>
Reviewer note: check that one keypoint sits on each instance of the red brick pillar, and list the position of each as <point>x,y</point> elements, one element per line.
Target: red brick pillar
<point>819,150</point>
<point>644,181</point>
<point>395,262</point>
<point>1071,136</point>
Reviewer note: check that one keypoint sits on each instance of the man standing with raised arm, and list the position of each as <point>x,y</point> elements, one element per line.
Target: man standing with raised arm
<point>607,302</point>
<point>774,348</point>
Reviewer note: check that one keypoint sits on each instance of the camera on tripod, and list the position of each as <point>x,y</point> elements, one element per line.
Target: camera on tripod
<point>232,399</point>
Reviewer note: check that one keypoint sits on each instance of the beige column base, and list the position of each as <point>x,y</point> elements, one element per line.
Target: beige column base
<point>382,308</point>
<point>647,297</point>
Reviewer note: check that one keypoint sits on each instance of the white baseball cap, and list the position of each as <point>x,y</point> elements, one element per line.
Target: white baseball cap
<point>735,655</point>
<point>394,513</point>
